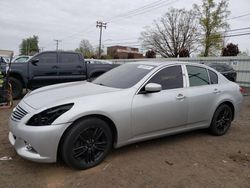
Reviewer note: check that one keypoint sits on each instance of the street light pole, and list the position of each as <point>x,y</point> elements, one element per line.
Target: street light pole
<point>100,24</point>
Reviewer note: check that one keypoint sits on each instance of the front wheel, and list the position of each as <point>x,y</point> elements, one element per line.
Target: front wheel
<point>17,88</point>
<point>87,143</point>
<point>221,120</point>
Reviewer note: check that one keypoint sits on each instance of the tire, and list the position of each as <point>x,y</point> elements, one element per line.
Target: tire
<point>17,88</point>
<point>86,144</point>
<point>221,121</point>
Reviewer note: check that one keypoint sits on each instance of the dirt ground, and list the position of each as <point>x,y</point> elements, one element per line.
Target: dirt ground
<point>194,159</point>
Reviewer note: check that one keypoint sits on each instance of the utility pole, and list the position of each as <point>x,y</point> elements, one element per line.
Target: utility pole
<point>100,24</point>
<point>57,43</point>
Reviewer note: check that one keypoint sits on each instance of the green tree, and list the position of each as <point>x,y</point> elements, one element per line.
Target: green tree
<point>85,48</point>
<point>212,18</point>
<point>29,46</point>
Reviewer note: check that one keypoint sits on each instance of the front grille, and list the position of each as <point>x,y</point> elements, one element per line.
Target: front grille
<point>18,113</point>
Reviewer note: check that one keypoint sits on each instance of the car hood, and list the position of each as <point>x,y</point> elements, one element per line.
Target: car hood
<point>46,96</point>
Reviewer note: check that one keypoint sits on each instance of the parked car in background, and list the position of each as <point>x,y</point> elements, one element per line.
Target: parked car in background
<point>226,70</point>
<point>98,61</point>
<point>2,60</point>
<point>52,67</point>
<point>21,59</point>
<point>80,122</point>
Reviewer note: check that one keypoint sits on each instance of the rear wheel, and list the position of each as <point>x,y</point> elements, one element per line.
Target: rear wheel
<point>87,143</point>
<point>221,120</point>
<point>17,87</point>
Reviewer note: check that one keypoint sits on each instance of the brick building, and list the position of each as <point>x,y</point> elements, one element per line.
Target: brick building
<point>123,52</point>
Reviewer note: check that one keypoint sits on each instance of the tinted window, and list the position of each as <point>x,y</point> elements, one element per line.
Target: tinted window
<point>124,76</point>
<point>221,67</point>
<point>21,59</point>
<point>213,77</point>
<point>47,57</point>
<point>169,78</point>
<point>227,67</point>
<point>197,76</point>
<point>69,58</point>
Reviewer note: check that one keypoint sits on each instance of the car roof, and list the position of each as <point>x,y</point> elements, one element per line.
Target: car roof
<point>164,63</point>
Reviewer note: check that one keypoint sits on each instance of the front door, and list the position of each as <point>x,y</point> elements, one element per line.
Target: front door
<point>164,110</point>
<point>43,71</point>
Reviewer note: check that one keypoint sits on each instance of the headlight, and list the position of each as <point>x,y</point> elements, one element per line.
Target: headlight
<point>47,117</point>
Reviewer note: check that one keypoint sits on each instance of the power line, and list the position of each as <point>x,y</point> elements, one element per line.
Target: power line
<point>155,3</point>
<point>138,44</point>
<point>143,11</point>
<point>137,11</point>
<point>239,29</point>
<point>240,16</point>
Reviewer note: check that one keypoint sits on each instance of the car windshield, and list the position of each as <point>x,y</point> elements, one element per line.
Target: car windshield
<point>124,76</point>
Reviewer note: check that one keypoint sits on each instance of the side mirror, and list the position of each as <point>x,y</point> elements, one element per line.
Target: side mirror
<point>34,61</point>
<point>153,87</point>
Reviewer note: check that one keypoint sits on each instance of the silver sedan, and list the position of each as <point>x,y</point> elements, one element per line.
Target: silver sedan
<point>81,121</point>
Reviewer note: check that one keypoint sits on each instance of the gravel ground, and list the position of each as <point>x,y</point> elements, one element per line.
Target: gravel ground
<point>194,159</point>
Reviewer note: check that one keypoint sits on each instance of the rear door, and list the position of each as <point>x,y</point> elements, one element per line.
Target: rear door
<point>44,71</point>
<point>163,110</point>
<point>201,94</point>
<point>71,67</point>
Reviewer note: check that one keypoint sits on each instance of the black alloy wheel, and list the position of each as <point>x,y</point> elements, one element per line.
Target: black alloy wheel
<point>221,120</point>
<point>87,143</point>
<point>90,145</point>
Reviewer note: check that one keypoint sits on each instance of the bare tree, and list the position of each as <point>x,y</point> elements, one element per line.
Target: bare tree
<point>85,48</point>
<point>175,30</point>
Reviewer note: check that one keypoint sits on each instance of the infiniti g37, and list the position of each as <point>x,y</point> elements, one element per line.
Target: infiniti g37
<point>81,121</point>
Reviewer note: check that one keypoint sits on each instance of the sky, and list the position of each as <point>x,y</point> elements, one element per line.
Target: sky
<point>73,20</point>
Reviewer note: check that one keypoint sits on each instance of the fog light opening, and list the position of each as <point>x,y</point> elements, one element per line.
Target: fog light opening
<point>29,147</point>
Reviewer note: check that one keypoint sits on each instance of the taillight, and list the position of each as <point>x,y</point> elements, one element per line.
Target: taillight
<point>242,90</point>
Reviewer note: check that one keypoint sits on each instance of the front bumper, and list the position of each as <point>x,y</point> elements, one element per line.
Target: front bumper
<point>44,140</point>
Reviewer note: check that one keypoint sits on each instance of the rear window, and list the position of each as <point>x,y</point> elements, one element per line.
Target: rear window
<point>221,67</point>
<point>69,58</point>
<point>197,76</point>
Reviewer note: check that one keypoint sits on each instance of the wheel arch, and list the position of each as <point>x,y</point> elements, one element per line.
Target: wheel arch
<point>230,104</point>
<point>17,76</point>
<point>110,123</point>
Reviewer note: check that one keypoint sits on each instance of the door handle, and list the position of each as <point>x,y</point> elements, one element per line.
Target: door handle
<point>79,67</point>
<point>55,67</point>
<point>180,97</point>
<point>216,91</point>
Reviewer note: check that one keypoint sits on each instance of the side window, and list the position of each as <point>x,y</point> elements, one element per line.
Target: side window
<point>69,58</point>
<point>213,77</point>
<point>49,57</point>
<point>197,76</point>
<point>169,78</point>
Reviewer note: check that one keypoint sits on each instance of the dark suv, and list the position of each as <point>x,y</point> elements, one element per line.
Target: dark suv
<point>226,70</point>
